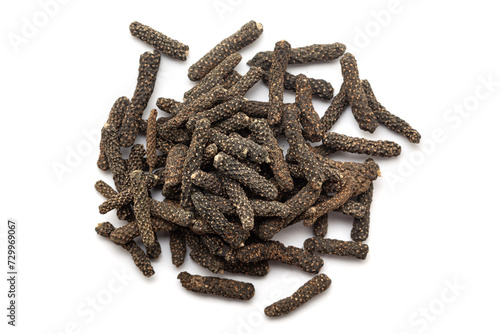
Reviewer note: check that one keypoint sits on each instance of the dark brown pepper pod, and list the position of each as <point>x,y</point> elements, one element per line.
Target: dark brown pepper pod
<point>152,157</point>
<point>177,247</point>
<point>140,259</point>
<point>105,189</point>
<point>217,113</point>
<point>243,85</point>
<point>115,118</point>
<point>201,255</point>
<point>319,87</point>
<point>391,121</point>
<point>237,122</point>
<point>333,112</point>
<point>130,231</point>
<point>233,235</point>
<point>378,148</point>
<point>302,55</point>
<point>223,287</point>
<point>361,225</point>
<point>159,41</point>
<point>237,41</point>
<point>337,247</point>
<point>148,70</point>
<point>279,63</point>
<point>240,200</point>
<point>208,181</point>
<point>114,156</point>
<point>174,166</point>
<point>356,95</point>
<point>194,158</point>
<point>311,126</point>
<point>170,212</point>
<point>310,289</point>
<point>245,175</point>
<point>231,79</point>
<point>167,105</point>
<point>214,77</point>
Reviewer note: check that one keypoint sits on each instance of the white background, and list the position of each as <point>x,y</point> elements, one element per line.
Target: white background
<point>434,219</point>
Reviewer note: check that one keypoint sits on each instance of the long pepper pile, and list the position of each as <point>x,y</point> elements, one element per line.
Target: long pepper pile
<point>228,187</point>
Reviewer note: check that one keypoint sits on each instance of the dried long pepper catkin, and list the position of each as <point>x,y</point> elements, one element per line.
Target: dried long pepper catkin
<point>124,212</point>
<point>245,175</point>
<point>114,156</point>
<point>194,158</point>
<point>231,79</point>
<point>167,104</point>
<point>233,235</point>
<point>378,148</point>
<point>173,166</point>
<point>201,254</point>
<point>240,200</point>
<point>361,225</point>
<point>217,113</point>
<point>279,63</point>
<point>312,128</point>
<point>151,140</point>
<point>159,41</point>
<point>237,41</point>
<point>177,247</point>
<point>337,106</point>
<point>310,289</point>
<point>146,80</point>
<point>337,247</point>
<point>319,87</point>
<point>115,118</point>
<point>391,121</point>
<point>130,231</point>
<point>356,94</point>
<point>223,287</point>
<point>215,76</point>
<point>302,55</point>
<point>243,85</point>
<point>140,259</point>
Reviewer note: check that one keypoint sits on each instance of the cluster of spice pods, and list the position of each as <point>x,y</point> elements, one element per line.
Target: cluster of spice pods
<point>227,185</point>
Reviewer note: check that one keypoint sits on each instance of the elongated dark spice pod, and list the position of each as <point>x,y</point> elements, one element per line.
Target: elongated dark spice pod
<point>264,136</point>
<point>214,243</point>
<point>319,87</point>
<point>203,101</point>
<point>208,181</point>
<point>214,77</point>
<point>337,247</point>
<point>302,55</point>
<point>174,165</point>
<point>255,109</point>
<point>310,289</point>
<point>361,226</point>
<point>237,41</point>
<point>260,268</point>
<point>311,126</point>
<point>333,112</point>
<point>130,231</point>
<point>263,208</point>
<point>303,200</point>
<point>231,79</point>
<point>167,105</point>
<point>378,148</point>
<point>217,113</point>
<point>201,255</point>
<point>140,259</point>
<point>148,69</point>
<point>139,191</point>
<point>256,153</point>
<point>223,287</point>
<point>159,41</point>
<point>279,63</point>
<point>391,121</point>
<point>177,247</point>
<point>245,175</point>
<point>114,156</point>
<point>320,226</point>
<point>234,236</point>
<point>237,122</point>
<point>171,213</point>
<point>151,140</point>
<point>241,202</point>
<point>194,158</point>
<point>231,145</point>
<point>115,118</point>
<point>275,250</point>
<point>105,189</point>
<point>242,86</point>
<point>356,95</point>
<point>137,152</point>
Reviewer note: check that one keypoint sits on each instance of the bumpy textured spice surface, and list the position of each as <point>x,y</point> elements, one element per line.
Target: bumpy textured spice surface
<point>312,288</point>
<point>277,71</point>
<point>228,183</point>
<point>303,55</point>
<point>356,94</point>
<point>223,287</point>
<point>237,41</point>
<point>159,41</point>
<point>146,80</point>
<point>377,148</point>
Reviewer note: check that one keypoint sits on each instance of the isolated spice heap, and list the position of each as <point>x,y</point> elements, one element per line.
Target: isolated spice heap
<point>227,185</point>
